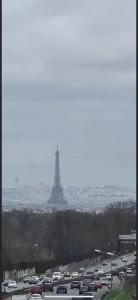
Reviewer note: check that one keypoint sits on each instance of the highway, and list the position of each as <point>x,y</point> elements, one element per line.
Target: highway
<point>97,294</point>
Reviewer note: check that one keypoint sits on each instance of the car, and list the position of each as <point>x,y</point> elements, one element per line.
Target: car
<point>114,263</point>
<point>114,272</point>
<point>96,270</point>
<point>32,281</point>
<point>92,286</point>
<point>83,289</point>
<point>104,281</point>
<point>36,290</point>
<point>66,274</point>
<point>86,282</point>
<point>3,289</point>
<point>104,263</point>
<point>124,259</point>
<point>26,279</point>
<point>134,253</point>
<point>35,277</point>
<point>57,276</point>
<point>47,286</point>
<point>5,282</point>
<point>61,289</point>
<point>12,284</point>
<point>75,285</point>
<point>98,284</point>
<point>42,277</point>
<point>101,271</point>
<point>82,275</point>
<point>46,280</point>
<point>129,270</point>
<point>75,274</point>
<point>109,276</point>
<point>89,273</point>
<point>82,270</point>
<point>96,277</point>
<point>36,297</point>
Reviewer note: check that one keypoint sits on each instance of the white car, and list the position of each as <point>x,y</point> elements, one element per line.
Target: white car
<point>100,271</point>
<point>57,276</point>
<point>109,276</point>
<point>75,274</point>
<point>129,270</point>
<point>35,277</point>
<point>134,253</point>
<point>36,296</point>
<point>124,258</point>
<point>12,284</point>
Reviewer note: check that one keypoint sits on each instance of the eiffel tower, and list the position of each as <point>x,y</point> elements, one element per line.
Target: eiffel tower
<point>56,198</point>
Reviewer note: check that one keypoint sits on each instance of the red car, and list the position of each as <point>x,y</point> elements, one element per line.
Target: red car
<point>36,290</point>
<point>98,284</point>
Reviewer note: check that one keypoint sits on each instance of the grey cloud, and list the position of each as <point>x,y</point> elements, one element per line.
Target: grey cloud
<point>69,78</point>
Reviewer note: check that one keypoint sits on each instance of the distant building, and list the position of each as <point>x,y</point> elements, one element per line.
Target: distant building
<point>57,199</point>
<point>127,241</point>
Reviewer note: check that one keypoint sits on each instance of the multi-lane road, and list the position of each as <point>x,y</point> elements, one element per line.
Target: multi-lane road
<point>97,295</point>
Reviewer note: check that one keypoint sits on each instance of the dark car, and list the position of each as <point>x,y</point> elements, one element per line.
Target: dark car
<point>36,290</point>
<point>47,286</point>
<point>96,277</point>
<point>75,284</point>
<point>32,281</point>
<point>89,273</point>
<point>66,274</point>
<point>86,282</point>
<point>46,280</point>
<point>5,283</point>
<point>83,289</point>
<point>42,277</point>
<point>27,279</point>
<point>82,270</point>
<point>92,286</point>
<point>113,263</point>
<point>96,270</point>
<point>62,289</point>
<point>114,272</point>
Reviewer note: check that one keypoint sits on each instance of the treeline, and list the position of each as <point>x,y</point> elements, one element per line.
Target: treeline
<point>63,235</point>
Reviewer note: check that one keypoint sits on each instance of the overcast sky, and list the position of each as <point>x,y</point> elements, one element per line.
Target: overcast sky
<point>69,79</point>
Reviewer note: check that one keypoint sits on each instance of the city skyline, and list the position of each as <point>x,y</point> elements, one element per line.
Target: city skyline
<point>69,78</point>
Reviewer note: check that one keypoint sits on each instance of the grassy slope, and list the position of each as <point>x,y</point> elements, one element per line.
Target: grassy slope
<point>123,295</point>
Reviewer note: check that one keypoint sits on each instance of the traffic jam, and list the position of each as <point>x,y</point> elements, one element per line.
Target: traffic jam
<point>84,282</point>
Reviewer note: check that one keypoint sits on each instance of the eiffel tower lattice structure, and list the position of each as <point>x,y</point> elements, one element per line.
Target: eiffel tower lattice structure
<point>57,198</point>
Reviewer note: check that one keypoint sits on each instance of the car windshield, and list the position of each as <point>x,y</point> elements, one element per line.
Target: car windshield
<point>56,273</point>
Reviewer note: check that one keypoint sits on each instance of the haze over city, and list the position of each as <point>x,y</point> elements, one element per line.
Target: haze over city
<point>69,78</point>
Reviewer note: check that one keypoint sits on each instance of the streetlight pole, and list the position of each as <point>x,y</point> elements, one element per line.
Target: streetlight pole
<point>111,255</point>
